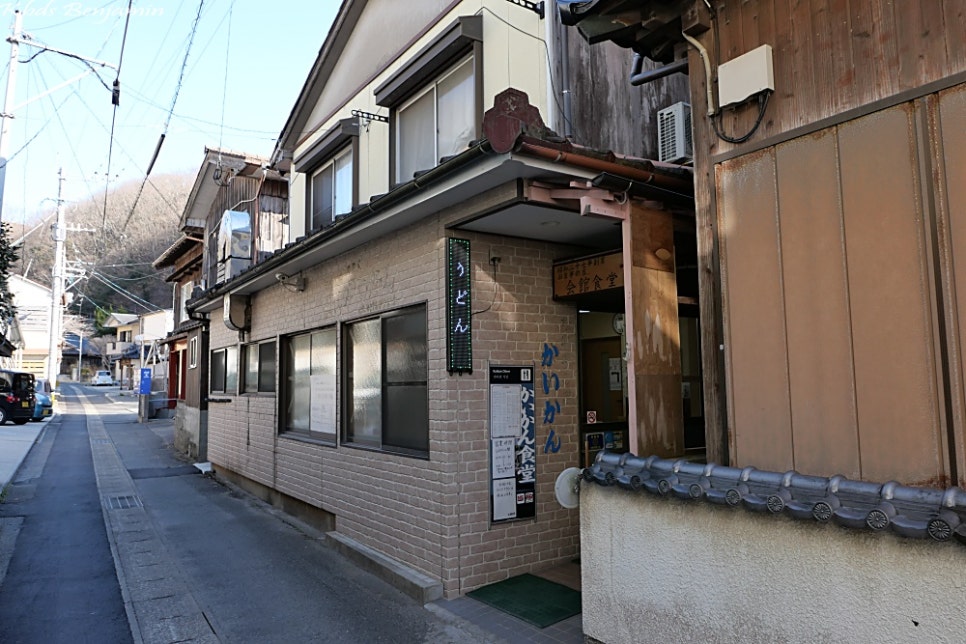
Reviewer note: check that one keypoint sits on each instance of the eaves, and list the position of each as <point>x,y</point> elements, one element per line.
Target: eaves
<point>454,181</point>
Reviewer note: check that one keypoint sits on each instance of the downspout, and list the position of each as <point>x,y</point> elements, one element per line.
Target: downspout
<point>568,130</point>
<point>639,77</point>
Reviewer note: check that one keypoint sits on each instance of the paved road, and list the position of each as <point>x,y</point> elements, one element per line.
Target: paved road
<point>60,584</point>
<point>192,560</point>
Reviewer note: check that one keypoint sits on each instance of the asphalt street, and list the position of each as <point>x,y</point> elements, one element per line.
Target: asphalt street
<point>108,536</point>
<point>60,584</point>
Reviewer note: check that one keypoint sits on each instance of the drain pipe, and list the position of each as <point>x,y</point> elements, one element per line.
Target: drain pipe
<point>568,130</point>
<point>639,77</point>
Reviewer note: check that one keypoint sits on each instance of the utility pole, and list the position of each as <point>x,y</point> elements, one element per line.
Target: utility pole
<point>57,288</point>
<point>7,115</point>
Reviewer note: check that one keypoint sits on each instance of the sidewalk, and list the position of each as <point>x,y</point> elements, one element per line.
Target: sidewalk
<point>15,444</point>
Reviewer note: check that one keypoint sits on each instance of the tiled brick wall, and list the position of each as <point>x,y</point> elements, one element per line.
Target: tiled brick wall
<point>430,514</point>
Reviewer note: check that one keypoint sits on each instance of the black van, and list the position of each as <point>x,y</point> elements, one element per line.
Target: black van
<point>16,396</point>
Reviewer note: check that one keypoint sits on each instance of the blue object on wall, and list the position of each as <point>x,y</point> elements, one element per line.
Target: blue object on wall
<point>144,387</point>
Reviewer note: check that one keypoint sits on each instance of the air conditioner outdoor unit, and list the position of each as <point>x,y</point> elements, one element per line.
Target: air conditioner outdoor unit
<point>674,142</point>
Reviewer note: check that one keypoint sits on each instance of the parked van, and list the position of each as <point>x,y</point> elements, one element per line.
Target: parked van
<point>16,396</point>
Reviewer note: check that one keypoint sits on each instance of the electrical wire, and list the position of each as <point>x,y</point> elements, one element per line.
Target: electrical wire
<point>546,51</point>
<point>224,88</point>
<point>134,163</point>
<point>124,292</point>
<point>167,121</point>
<point>23,147</point>
<point>88,64</point>
<point>67,138</point>
<point>184,117</point>
<point>116,101</point>
<point>155,276</point>
<point>762,105</point>
<point>81,16</point>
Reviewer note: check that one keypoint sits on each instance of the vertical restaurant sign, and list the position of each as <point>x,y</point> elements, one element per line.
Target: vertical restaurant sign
<point>459,332</point>
<point>513,449</point>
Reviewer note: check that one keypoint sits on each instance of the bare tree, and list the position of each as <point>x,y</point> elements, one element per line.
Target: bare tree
<point>120,242</point>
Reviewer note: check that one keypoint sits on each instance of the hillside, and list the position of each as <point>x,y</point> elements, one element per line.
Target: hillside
<point>115,258</point>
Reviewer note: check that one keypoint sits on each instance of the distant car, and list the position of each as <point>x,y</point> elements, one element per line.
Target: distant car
<point>44,403</point>
<point>16,396</point>
<point>102,378</point>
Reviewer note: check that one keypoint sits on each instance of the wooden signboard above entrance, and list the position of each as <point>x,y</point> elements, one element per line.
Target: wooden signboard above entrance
<point>588,275</point>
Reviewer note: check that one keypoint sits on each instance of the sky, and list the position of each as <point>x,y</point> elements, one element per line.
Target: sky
<point>246,63</point>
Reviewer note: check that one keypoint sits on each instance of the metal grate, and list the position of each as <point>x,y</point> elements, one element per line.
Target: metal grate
<point>122,502</point>
<point>674,140</point>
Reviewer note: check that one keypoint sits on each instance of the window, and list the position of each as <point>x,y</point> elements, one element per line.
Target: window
<point>184,294</point>
<point>330,181</point>
<point>386,396</point>
<point>309,383</point>
<point>193,353</point>
<point>438,122</point>
<point>224,370</point>
<point>331,189</point>
<point>259,361</point>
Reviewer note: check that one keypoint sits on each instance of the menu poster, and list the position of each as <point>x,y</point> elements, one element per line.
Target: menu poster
<point>513,454</point>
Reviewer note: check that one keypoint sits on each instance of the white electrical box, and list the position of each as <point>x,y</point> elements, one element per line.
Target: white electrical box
<point>674,142</point>
<point>745,76</point>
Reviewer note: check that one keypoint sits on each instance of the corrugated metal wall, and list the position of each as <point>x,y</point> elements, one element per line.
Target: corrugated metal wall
<point>842,255</point>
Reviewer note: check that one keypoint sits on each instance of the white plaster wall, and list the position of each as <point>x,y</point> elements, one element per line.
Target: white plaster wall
<point>513,56</point>
<point>660,570</point>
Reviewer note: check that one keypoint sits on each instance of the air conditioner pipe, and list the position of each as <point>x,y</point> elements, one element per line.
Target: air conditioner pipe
<point>641,78</point>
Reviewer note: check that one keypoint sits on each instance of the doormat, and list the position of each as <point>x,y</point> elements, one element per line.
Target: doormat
<point>533,599</point>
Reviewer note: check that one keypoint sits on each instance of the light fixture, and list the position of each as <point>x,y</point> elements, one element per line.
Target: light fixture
<point>291,282</point>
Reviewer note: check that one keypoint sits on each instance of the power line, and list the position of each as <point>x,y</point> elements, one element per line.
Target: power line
<point>31,139</point>
<point>67,136</point>
<point>125,293</point>
<point>167,121</point>
<point>155,276</point>
<point>131,160</point>
<point>116,101</point>
<point>224,87</point>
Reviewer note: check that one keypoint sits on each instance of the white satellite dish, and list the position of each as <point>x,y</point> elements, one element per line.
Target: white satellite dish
<point>567,488</point>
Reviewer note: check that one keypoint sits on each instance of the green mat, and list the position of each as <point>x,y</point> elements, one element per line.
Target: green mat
<point>532,599</point>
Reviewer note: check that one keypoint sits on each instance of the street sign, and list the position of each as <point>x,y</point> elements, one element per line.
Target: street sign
<point>144,387</point>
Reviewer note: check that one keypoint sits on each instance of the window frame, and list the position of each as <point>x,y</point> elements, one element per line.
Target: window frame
<point>285,385</point>
<point>340,139</point>
<point>261,386</point>
<point>473,59</point>
<point>193,352</point>
<point>331,163</point>
<point>229,380</point>
<point>432,87</point>
<point>347,434</point>
<point>463,38</point>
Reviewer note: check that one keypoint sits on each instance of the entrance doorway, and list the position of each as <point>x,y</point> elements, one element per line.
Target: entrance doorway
<point>603,384</point>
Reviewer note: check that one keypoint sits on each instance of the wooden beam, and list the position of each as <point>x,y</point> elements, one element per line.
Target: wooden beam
<point>709,275</point>
<point>653,334</point>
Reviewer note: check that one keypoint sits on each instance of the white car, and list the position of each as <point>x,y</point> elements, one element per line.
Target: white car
<point>102,378</point>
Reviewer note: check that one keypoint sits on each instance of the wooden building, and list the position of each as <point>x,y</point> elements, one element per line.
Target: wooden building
<point>227,182</point>
<point>830,196</point>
